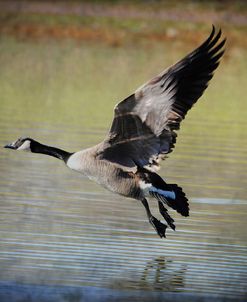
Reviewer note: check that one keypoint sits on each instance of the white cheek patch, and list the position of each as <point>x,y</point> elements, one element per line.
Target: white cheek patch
<point>25,146</point>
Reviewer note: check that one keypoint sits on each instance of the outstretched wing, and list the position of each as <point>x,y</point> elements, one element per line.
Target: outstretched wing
<point>143,127</point>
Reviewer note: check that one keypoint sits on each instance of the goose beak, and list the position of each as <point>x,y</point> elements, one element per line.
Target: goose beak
<point>10,146</point>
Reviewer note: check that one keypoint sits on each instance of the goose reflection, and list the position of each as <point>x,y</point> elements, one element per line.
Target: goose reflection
<point>158,274</point>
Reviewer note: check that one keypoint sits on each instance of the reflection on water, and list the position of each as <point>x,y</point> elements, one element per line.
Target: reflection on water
<point>59,228</point>
<point>158,274</point>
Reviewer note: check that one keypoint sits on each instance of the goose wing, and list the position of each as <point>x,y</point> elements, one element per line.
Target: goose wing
<point>144,125</point>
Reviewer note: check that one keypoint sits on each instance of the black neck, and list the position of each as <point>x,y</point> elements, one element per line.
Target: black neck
<point>55,152</point>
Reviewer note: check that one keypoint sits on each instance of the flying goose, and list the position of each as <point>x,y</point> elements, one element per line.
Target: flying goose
<point>143,132</point>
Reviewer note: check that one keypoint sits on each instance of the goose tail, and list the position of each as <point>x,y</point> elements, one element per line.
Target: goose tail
<point>173,196</point>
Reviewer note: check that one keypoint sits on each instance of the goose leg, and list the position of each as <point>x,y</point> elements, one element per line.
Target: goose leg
<point>158,226</point>
<point>164,213</point>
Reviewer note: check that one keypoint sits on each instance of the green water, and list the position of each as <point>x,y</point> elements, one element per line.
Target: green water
<point>59,228</point>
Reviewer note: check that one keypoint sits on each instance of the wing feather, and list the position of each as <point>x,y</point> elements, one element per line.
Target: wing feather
<point>144,124</point>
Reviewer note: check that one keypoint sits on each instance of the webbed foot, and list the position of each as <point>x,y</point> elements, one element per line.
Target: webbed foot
<point>158,226</point>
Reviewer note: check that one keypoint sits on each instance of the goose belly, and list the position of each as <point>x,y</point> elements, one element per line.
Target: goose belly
<point>116,181</point>
<point>106,174</point>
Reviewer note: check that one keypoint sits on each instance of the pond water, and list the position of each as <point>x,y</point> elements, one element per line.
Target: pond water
<point>60,229</point>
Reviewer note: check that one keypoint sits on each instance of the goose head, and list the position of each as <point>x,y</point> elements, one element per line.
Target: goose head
<point>22,143</point>
<point>30,145</point>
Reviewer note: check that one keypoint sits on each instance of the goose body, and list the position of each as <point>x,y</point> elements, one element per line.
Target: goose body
<point>104,172</point>
<point>143,131</point>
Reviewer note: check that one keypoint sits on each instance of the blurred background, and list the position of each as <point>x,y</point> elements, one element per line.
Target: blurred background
<point>63,67</point>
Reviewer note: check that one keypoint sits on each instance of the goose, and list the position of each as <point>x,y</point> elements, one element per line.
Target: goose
<point>143,132</point>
